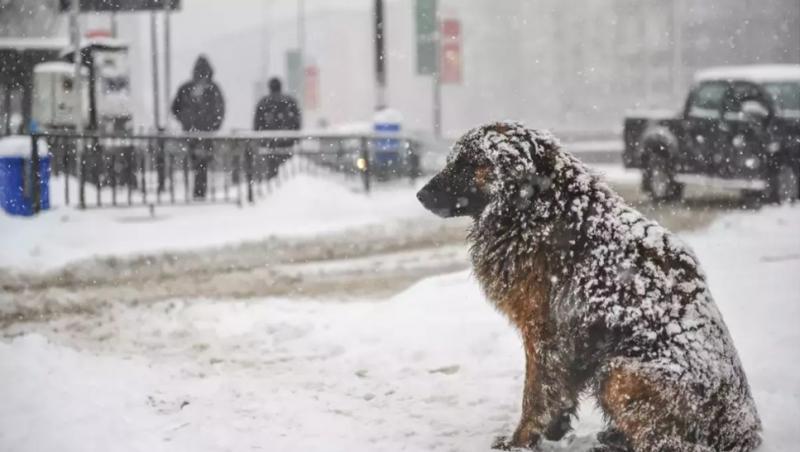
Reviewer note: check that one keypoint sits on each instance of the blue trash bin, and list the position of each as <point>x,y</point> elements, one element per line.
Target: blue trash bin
<point>387,154</point>
<point>16,188</point>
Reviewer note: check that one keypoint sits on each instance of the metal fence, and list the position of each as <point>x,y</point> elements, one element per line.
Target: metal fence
<point>157,169</point>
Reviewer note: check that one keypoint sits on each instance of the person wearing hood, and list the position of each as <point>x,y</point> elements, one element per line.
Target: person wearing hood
<point>200,107</point>
<point>277,111</point>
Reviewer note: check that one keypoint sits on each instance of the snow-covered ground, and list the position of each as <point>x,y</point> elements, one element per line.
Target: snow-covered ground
<point>304,205</point>
<point>433,368</point>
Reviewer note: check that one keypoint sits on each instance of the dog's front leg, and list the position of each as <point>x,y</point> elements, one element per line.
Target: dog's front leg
<point>532,423</point>
<point>545,399</point>
<point>529,430</point>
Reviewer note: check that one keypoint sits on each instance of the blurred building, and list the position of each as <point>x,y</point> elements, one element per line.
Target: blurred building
<point>562,65</point>
<point>565,67</point>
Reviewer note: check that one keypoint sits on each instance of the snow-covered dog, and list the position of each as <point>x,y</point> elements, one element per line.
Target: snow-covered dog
<point>605,300</point>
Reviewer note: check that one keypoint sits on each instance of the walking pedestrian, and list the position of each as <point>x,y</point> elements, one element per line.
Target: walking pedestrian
<point>200,107</point>
<point>277,111</point>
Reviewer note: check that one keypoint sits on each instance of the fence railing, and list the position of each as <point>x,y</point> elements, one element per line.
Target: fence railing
<point>155,169</point>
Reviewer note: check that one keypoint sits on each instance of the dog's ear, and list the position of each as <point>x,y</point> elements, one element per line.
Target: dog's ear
<point>499,127</point>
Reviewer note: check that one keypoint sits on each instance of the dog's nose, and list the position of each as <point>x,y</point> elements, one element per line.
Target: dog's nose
<point>422,196</point>
<point>426,197</point>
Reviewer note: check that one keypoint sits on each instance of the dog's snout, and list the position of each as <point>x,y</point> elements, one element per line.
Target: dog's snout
<point>422,195</point>
<point>426,196</point>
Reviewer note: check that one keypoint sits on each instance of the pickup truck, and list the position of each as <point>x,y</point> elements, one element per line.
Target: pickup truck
<point>739,129</point>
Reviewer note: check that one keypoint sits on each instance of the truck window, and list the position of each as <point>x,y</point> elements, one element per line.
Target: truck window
<point>707,99</point>
<point>740,93</point>
<point>786,98</point>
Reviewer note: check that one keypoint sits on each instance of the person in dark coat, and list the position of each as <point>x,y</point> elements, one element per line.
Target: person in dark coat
<point>200,107</point>
<point>277,111</point>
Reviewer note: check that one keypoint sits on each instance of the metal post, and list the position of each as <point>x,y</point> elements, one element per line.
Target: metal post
<point>113,177</point>
<point>77,87</point>
<point>81,170</point>
<point>144,176</point>
<point>380,57</point>
<point>437,84</point>
<point>7,107</point>
<point>171,172</point>
<point>154,51</point>
<point>130,177</point>
<point>97,160</point>
<point>365,171</point>
<point>301,46</point>
<point>159,164</point>
<point>114,25</point>
<point>677,47</point>
<point>187,192</point>
<point>265,50</point>
<point>646,56</point>
<point>35,194</point>
<point>240,172</point>
<point>248,170</point>
<point>167,62</point>
<point>66,170</point>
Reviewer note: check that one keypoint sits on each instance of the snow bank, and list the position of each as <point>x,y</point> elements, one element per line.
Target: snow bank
<point>20,146</point>
<point>434,368</point>
<point>304,205</point>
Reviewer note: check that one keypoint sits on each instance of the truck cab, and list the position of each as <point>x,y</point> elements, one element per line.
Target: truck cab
<point>739,129</point>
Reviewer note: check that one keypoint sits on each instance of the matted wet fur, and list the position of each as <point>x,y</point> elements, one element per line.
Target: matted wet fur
<point>606,301</point>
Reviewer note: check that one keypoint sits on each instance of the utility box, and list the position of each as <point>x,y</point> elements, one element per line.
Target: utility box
<point>112,91</point>
<point>17,195</point>
<point>387,155</point>
<point>54,102</point>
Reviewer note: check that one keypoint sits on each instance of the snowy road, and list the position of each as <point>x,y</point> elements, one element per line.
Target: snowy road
<point>433,368</point>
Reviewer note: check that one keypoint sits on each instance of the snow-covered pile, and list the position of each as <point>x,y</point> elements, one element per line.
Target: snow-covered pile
<point>433,368</point>
<point>20,146</point>
<point>303,205</point>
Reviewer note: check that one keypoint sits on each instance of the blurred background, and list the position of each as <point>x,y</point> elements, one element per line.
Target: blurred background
<point>545,62</point>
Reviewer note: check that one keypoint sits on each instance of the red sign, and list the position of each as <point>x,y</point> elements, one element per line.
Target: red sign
<point>311,92</point>
<point>94,34</point>
<point>451,51</point>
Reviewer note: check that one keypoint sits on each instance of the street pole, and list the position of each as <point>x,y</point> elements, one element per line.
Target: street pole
<point>647,56</point>
<point>77,88</point>
<point>114,25</point>
<point>265,50</point>
<point>167,62</point>
<point>380,57</point>
<point>76,63</point>
<point>154,51</point>
<point>437,82</point>
<point>301,47</point>
<point>677,47</point>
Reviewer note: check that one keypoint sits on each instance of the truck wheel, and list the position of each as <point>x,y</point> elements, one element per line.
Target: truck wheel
<point>660,181</point>
<point>784,184</point>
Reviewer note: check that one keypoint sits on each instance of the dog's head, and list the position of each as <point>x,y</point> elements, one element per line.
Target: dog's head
<point>501,161</point>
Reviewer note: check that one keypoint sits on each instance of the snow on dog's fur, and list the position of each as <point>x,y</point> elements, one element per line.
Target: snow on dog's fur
<point>606,301</point>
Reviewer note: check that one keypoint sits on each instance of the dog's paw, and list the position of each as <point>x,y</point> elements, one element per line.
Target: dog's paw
<point>612,440</point>
<point>506,443</point>
<point>501,443</point>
